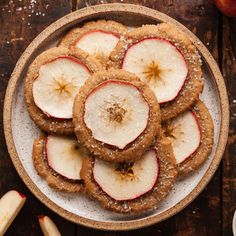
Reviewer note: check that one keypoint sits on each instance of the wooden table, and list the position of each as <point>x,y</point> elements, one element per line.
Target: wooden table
<point>211,213</point>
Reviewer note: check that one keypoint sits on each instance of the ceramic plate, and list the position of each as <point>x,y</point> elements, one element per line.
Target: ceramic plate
<point>20,131</point>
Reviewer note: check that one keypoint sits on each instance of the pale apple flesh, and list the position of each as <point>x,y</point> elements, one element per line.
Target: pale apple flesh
<point>127,181</point>
<point>57,84</point>
<point>10,205</point>
<point>185,136</point>
<point>48,227</point>
<point>64,156</point>
<point>116,113</point>
<point>159,63</point>
<point>98,43</point>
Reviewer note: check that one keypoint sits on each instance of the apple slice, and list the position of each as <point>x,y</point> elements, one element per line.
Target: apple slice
<point>10,205</point>
<point>64,156</point>
<point>57,84</point>
<point>127,181</point>
<point>116,113</point>
<point>159,63</point>
<point>48,226</point>
<point>98,43</point>
<point>185,134</point>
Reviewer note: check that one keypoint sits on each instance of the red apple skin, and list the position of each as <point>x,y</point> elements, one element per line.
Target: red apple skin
<point>154,183</point>
<point>22,195</point>
<point>129,84</point>
<point>167,41</point>
<point>199,128</point>
<point>227,7</point>
<point>71,58</point>
<point>94,31</point>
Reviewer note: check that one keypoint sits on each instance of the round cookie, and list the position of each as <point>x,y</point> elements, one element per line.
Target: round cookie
<point>98,38</point>
<point>147,201</point>
<point>192,137</point>
<point>176,43</point>
<point>53,178</point>
<point>46,122</point>
<point>117,126</point>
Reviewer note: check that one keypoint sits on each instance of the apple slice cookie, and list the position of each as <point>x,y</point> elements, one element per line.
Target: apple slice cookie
<point>132,187</point>
<point>59,160</point>
<point>52,82</point>
<point>98,38</point>
<point>167,60</point>
<point>191,134</point>
<point>116,116</point>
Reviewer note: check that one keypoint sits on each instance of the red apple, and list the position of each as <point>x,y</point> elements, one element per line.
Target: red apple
<point>130,183</point>
<point>48,226</point>
<point>227,7</point>
<point>116,113</point>
<point>57,84</point>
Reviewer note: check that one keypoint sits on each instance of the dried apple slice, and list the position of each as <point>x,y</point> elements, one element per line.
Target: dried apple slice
<point>185,134</point>
<point>57,84</point>
<point>159,63</point>
<point>127,181</point>
<point>116,113</point>
<point>64,156</point>
<point>10,205</point>
<point>98,43</point>
<point>48,227</point>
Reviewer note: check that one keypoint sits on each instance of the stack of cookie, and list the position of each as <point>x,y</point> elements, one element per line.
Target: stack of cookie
<point>120,113</point>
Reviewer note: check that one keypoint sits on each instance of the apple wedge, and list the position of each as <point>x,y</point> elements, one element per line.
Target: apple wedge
<point>116,113</point>
<point>98,43</point>
<point>127,181</point>
<point>159,63</point>
<point>64,156</point>
<point>10,205</point>
<point>48,226</point>
<point>57,84</point>
<point>185,134</point>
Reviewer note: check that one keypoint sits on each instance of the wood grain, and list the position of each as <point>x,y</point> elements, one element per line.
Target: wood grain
<point>229,161</point>
<point>196,16</point>
<point>203,216</point>
<point>20,22</point>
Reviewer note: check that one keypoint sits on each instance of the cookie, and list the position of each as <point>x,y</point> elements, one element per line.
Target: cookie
<point>192,137</point>
<point>116,116</point>
<point>55,159</point>
<point>167,60</point>
<point>51,83</point>
<point>143,193</point>
<point>98,38</point>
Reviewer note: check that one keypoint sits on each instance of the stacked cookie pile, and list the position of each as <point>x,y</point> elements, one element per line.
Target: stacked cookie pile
<point>120,113</point>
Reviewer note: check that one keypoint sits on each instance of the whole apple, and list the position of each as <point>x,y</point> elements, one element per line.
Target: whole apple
<point>227,7</point>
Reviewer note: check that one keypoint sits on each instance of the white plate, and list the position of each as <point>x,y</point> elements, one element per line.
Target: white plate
<point>21,131</point>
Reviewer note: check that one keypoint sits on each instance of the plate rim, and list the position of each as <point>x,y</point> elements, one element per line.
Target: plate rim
<point>95,11</point>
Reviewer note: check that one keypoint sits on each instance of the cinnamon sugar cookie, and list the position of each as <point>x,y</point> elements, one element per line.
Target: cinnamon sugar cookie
<point>132,187</point>
<point>98,38</point>
<point>59,161</point>
<point>167,60</point>
<point>116,116</point>
<point>52,81</point>
<point>191,134</point>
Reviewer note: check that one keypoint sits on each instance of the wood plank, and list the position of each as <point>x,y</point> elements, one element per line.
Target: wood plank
<point>20,22</point>
<point>202,217</point>
<point>229,161</point>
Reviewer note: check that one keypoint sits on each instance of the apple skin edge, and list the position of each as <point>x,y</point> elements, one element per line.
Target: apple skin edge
<point>199,129</point>
<point>4,225</point>
<point>167,41</point>
<point>157,177</point>
<point>73,59</point>
<point>227,7</point>
<point>128,84</point>
<point>48,227</point>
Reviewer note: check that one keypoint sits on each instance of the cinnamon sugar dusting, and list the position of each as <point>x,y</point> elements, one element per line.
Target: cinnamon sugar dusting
<point>116,112</point>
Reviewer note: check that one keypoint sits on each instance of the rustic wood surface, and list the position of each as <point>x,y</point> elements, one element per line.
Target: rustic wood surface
<point>211,213</point>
